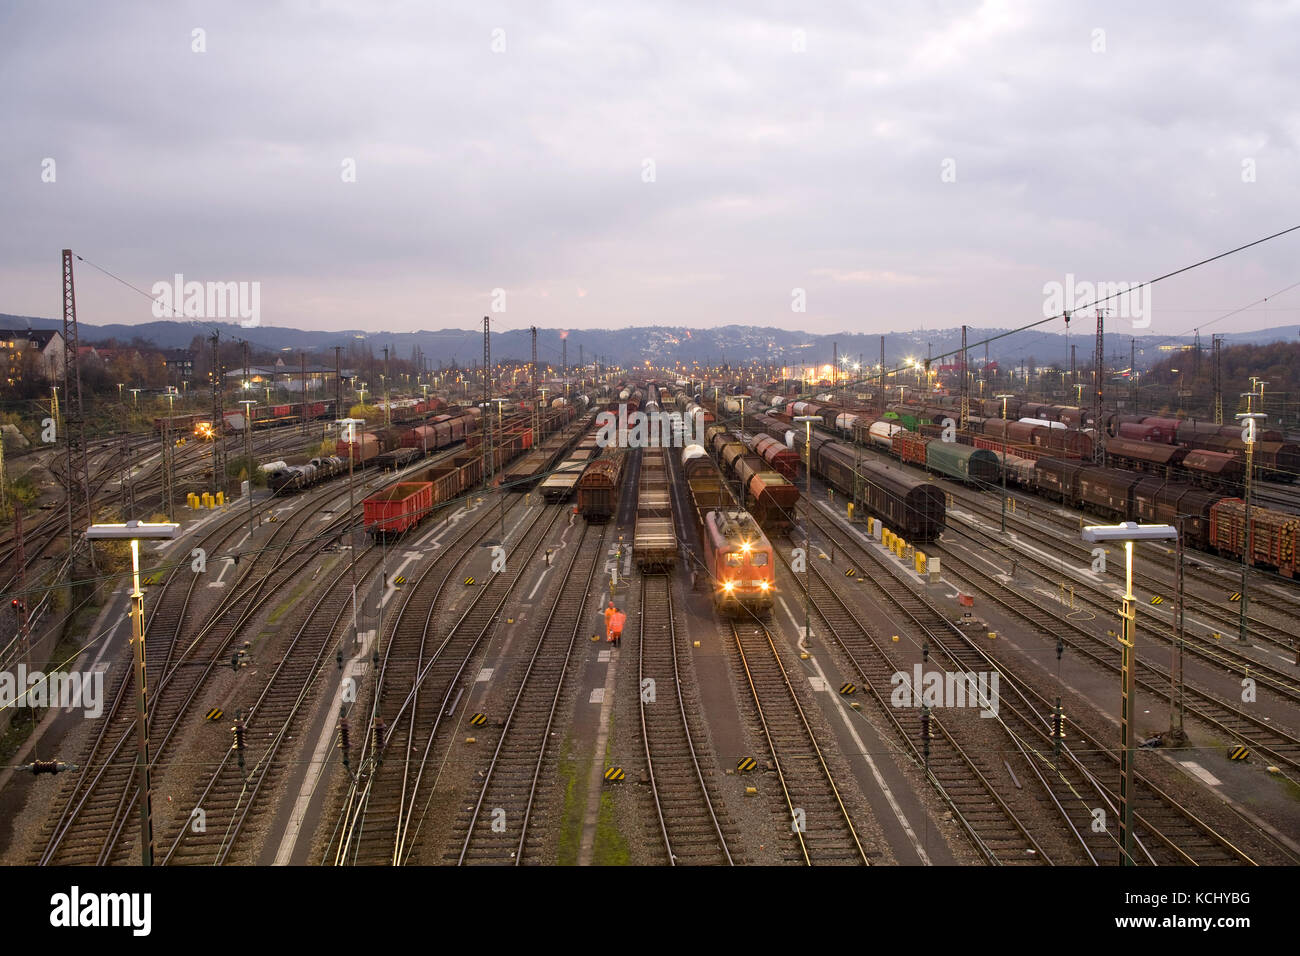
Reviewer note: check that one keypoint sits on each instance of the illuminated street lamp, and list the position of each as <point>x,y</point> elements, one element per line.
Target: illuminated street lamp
<point>1248,421</point>
<point>135,531</point>
<point>249,405</point>
<point>349,425</point>
<point>1128,533</point>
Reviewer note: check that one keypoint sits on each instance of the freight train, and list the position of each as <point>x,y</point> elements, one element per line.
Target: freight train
<point>402,506</point>
<point>738,557</point>
<point>767,494</point>
<point>910,506</point>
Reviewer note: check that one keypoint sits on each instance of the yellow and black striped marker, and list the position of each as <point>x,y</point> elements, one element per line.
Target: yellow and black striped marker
<point>477,720</point>
<point>850,573</point>
<point>746,764</point>
<point>1236,596</point>
<point>469,580</point>
<point>614,773</point>
<point>1238,753</point>
<point>216,713</point>
<point>848,689</point>
<point>400,580</point>
<point>1157,599</point>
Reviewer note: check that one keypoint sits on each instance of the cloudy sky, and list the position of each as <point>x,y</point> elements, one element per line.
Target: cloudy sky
<point>905,165</point>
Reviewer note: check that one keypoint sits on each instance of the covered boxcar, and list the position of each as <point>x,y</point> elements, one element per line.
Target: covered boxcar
<point>910,506</point>
<point>1058,479</point>
<point>1154,458</point>
<point>963,462</point>
<point>1107,491</point>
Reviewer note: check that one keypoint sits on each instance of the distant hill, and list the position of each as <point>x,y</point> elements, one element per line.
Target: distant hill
<point>736,344</point>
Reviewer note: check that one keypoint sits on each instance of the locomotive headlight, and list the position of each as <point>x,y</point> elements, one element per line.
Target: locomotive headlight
<point>764,585</point>
<point>744,546</point>
<point>728,585</point>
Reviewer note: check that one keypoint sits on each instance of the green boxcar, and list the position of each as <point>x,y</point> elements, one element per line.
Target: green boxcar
<point>962,462</point>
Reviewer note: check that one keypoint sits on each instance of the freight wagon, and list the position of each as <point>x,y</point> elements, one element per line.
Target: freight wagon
<point>600,485</point>
<point>654,542</point>
<point>963,462</point>
<point>397,508</point>
<point>909,506</point>
<point>1272,535</point>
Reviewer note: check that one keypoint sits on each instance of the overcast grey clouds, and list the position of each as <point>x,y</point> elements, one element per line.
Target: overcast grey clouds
<point>775,167</point>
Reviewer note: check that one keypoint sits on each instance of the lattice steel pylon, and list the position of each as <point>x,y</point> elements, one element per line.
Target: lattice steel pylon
<point>965,387</point>
<point>78,470</point>
<point>218,417</point>
<point>1099,363</point>
<point>486,417</point>
<point>1217,341</point>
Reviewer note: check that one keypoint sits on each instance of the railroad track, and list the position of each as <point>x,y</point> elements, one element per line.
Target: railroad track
<point>1278,744</point>
<point>230,797</point>
<point>962,775</point>
<point>417,692</point>
<point>512,782</point>
<point>686,811</point>
<point>819,821</point>
<point>1199,578</point>
<point>98,800</point>
<point>1166,832</point>
<point>1282,681</point>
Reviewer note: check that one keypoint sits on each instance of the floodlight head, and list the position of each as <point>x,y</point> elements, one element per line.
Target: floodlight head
<point>131,529</point>
<point>807,418</point>
<point>1129,531</point>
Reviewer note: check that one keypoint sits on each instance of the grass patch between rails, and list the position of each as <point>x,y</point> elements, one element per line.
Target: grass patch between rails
<point>281,609</point>
<point>19,729</point>
<point>574,778</point>
<point>611,848</point>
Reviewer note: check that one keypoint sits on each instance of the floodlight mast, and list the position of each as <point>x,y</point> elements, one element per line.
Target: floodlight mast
<point>1128,533</point>
<point>135,531</point>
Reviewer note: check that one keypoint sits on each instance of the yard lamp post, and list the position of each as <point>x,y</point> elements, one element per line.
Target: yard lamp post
<point>1128,532</point>
<point>1248,421</point>
<point>349,425</point>
<point>135,531</point>
<point>249,405</point>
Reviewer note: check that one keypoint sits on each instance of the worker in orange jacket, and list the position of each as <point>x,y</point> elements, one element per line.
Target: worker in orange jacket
<point>609,612</point>
<point>616,621</point>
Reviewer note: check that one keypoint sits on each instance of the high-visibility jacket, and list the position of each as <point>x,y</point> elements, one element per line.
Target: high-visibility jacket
<point>616,622</point>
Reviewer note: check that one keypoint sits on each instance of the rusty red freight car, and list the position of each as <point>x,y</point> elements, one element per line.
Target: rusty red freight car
<point>397,508</point>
